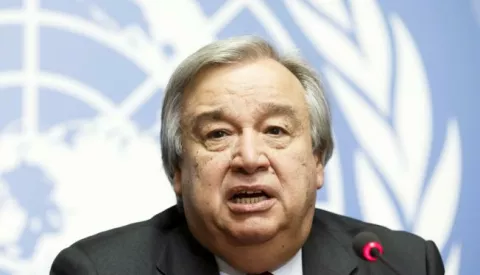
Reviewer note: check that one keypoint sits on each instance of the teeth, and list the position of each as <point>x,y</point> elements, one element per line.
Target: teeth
<point>249,192</point>
<point>250,200</point>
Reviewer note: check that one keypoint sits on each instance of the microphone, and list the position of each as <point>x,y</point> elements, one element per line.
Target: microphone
<point>368,247</point>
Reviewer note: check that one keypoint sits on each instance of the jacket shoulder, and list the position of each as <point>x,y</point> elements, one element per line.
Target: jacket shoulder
<point>139,232</point>
<point>404,249</point>
<point>124,249</point>
<point>352,226</point>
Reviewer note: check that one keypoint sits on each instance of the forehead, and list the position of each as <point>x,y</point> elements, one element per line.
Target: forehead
<point>245,85</point>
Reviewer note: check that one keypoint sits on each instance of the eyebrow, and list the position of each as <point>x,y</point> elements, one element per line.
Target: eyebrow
<point>264,111</point>
<point>214,115</point>
<point>275,109</point>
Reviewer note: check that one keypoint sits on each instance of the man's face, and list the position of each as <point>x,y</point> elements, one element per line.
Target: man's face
<point>248,170</point>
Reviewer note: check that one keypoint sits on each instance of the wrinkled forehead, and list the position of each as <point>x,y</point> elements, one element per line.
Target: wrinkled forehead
<point>260,86</point>
<point>261,111</point>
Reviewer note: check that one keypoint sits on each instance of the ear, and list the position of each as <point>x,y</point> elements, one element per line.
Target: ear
<point>319,170</point>
<point>177,182</point>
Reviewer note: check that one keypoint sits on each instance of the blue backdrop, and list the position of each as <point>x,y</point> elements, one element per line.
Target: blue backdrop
<point>81,84</point>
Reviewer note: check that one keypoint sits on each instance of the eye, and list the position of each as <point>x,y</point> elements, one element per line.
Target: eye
<point>275,131</point>
<point>217,134</point>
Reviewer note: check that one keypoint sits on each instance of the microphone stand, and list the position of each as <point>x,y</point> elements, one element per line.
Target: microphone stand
<point>377,254</point>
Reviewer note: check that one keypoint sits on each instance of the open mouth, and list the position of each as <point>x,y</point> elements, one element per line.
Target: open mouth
<point>249,197</point>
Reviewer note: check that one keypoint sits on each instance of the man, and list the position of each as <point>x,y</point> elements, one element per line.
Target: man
<point>245,138</point>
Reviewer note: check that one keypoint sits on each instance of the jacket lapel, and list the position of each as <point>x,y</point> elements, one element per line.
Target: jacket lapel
<point>327,251</point>
<point>183,255</point>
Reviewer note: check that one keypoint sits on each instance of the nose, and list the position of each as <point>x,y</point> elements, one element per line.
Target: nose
<point>249,155</point>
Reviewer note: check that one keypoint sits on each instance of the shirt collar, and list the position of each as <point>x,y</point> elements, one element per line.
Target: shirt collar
<point>293,266</point>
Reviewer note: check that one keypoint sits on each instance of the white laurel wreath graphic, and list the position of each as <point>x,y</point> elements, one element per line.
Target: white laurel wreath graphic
<point>396,152</point>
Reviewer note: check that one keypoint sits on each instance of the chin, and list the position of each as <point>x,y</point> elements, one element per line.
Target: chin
<point>252,233</point>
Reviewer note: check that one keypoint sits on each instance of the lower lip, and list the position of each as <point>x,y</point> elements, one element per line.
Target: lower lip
<point>244,208</point>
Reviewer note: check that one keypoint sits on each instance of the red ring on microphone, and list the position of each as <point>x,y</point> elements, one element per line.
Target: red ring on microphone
<point>367,249</point>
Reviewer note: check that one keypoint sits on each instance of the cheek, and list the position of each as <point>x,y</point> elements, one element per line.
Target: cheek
<point>204,177</point>
<point>296,172</point>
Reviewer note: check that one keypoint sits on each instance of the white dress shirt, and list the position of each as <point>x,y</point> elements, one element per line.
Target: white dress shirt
<point>292,267</point>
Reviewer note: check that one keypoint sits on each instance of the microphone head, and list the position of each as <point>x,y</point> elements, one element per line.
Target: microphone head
<point>367,246</point>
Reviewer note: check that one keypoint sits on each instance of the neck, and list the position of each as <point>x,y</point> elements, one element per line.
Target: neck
<point>262,257</point>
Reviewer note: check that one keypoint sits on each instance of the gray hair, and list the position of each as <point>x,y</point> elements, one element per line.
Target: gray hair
<point>230,51</point>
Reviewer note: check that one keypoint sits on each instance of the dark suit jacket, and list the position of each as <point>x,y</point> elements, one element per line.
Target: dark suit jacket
<point>163,245</point>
